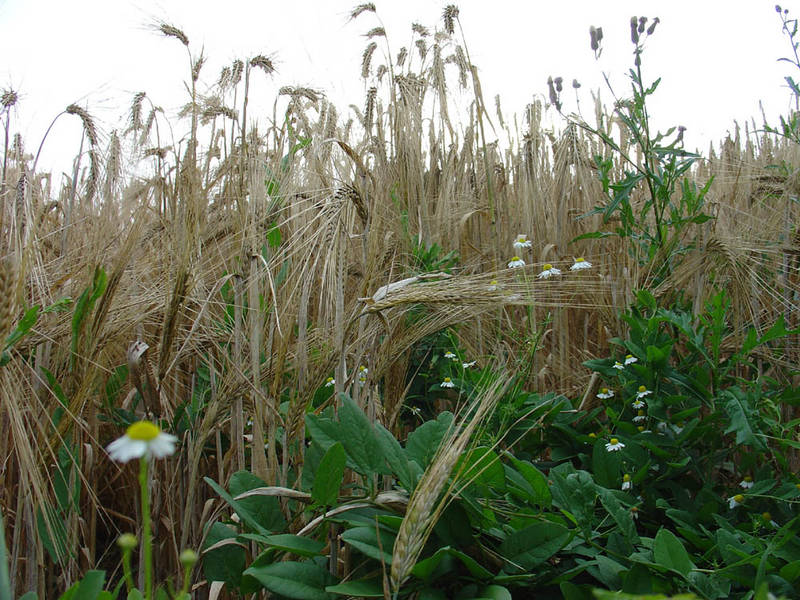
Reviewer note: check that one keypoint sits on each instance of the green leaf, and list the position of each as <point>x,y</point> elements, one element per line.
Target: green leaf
<point>668,551</point>
<point>606,466</point>
<point>426,567</point>
<point>406,471</point>
<point>538,491</point>
<point>743,417</point>
<point>328,480</point>
<point>296,544</point>
<point>90,586</point>
<point>365,539</point>
<point>226,562</point>
<point>533,545</point>
<point>297,580</point>
<point>363,588</point>
<point>425,440</point>
<point>360,439</point>
<point>481,467</point>
<point>622,517</point>
<point>238,506</point>
<point>264,510</point>
<point>23,327</point>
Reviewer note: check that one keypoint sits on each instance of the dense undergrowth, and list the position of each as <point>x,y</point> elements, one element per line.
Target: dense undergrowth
<point>399,360</point>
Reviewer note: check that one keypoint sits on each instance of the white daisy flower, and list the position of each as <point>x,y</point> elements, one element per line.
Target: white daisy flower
<point>522,241</point>
<point>548,271</point>
<point>638,404</point>
<point>143,439</point>
<point>614,445</point>
<point>627,484</point>
<point>735,501</point>
<point>640,417</point>
<point>677,429</point>
<point>447,383</point>
<point>605,394</point>
<point>767,518</point>
<point>746,483</point>
<point>580,264</point>
<point>362,375</point>
<point>492,285</point>
<point>630,359</point>
<point>642,392</point>
<point>618,366</point>
<point>468,365</point>
<point>516,262</point>
<point>449,355</point>
<point>634,512</point>
<point>330,381</point>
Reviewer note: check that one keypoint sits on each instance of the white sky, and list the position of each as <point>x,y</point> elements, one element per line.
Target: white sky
<point>717,59</point>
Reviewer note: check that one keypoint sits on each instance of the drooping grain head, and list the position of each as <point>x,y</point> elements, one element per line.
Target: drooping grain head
<point>9,98</point>
<point>265,63</point>
<point>366,58</point>
<point>88,123</point>
<point>362,8</point>
<point>172,31</point>
<point>8,292</point>
<point>449,16</point>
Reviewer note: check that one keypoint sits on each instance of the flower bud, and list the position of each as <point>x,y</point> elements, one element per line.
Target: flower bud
<point>188,558</point>
<point>127,541</point>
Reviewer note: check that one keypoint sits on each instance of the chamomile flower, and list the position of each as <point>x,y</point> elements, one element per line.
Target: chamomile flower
<point>330,381</point>
<point>548,271</point>
<point>618,366</point>
<point>767,518</point>
<point>642,392</point>
<point>492,287</point>
<point>735,501</point>
<point>521,241</point>
<point>630,359</point>
<point>516,262</point>
<point>142,439</point>
<point>449,355</point>
<point>362,375</point>
<point>614,445</point>
<point>640,417</point>
<point>447,383</point>
<point>746,483</point>
<point>634,512</point>
<point>638,404</point>
<point>627,484</point>
<point>580,264</point>
<point>468,365</point>
<point>605,394</point>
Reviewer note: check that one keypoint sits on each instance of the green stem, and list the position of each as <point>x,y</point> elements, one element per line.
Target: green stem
<point>147,542</point>
<point>126,569</point>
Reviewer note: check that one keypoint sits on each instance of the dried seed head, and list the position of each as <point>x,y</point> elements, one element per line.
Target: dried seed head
<point>136,111</point>
<point>264,63</point>
<point>420,30</point>
<point>595,37</point>
<point>171,31</point>
<point>652,27</point>
<point>362,8</point>
<point>450,15</point>
<point>366,58</point>
<point>422,48</point>
<point>9,98</point>
<point>196,66</point>
<point>559,83</point>
<point>224,77</point>
<point>369,107</point>
<point>401,56</point>
<point>236,71</point>
<point>8,293</point>
<point>296,92</point>
<point>642,23</point>
<point>634,30</point>
<point>575,84</point>
<point>86,119</point>
<point>375,32</point>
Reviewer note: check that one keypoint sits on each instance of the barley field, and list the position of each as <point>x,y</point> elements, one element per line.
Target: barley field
<point>364,275</point>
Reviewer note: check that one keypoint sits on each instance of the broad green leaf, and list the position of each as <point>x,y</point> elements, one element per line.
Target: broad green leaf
<point>90,586</point>
<point>328,480</point>
<point>621,516</point>
<point>363,588</point>
<point>265,510</point>
<point>424,568</point>
<point>481,467</point>
<point>365,539</point>
<point>425,440</point>
<point>574,492</point>
<point>606,466</point>
<point>297,580</point>
<point>240,508</point>
<point>668,551</point>
<point>533,545</point>
<point>360,439</point>
<point>406,471</point>
<point>226,562</point>
<point>296,544</point>
<point>743,417</point>
<point>537,481</point>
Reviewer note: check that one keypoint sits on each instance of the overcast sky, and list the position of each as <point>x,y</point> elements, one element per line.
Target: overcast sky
<point>717,59</point>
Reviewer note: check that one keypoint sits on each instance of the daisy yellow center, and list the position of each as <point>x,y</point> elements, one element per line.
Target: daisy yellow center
<point>626,477</point>
<point>642,388</point>
<point>766,516</point>
<point>641,413</point>
<point>447,380</point>
<point>493,282</point>
<point>614,441</point>
<point>640,428</point>
<point>548,266</point>
<point>738,498</point>
<point>144,431</point>
<point>329,379</point>
<point>592,435</point>
<point>748,479</point>
<point>580,259</point>
<point>629,356</point>
<point>515,259</point>
<point>522,238</point>
<point>604,390</point>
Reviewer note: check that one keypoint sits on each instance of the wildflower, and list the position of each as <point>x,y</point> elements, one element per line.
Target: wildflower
<point>522,241</point>
<point>605,394</point>
<point>619,366</point>
<point>627,484</point>
<point>642,429</point>
<point>549,271</point>
<point>643,391</point>
<point>640,416</point>
<point>415,410</point>
<point>447,383</point>
<point>614,445</point>
<point>468,365</point>
<point>142,439</point>
<point>637,404</point>
<point>493,285</point>
<point>634,512</point>
<point>516,262</point>
<point>767,518</point>
<point>735,501</point>
<point>677,429</point>
<point>330,381</point>
<point>746,483</point>
<point>630,359</point>
<point>580,264</point>
<point>362,375</point>
<point>127,541</point>
<point>449,355</point>
<point>593,435</point>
